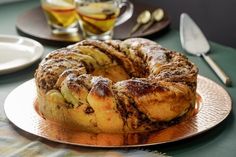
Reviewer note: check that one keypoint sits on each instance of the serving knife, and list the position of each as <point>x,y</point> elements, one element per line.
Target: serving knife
<point>193,41</point>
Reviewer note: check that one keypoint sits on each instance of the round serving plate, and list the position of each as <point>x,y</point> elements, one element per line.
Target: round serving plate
<point>33,24</point>
<point>215,105</point>
<point>18,52</point>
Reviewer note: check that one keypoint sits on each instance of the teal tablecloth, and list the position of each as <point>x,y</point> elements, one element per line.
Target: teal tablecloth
<point>219,141</point>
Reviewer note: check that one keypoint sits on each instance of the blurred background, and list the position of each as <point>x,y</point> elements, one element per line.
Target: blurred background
<point>216,18</point>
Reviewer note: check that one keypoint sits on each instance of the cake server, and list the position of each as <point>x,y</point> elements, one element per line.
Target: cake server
<point>193,41</point>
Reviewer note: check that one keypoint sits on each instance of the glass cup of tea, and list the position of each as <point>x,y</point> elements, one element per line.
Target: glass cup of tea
<point>61,16</point>
<point>97,18</point>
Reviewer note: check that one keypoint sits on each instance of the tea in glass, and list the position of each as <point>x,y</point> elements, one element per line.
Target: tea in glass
<point>97,18</point>
<point>61,15</point>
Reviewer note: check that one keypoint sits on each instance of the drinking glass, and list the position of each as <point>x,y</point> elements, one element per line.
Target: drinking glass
<point>97,18</point>
<point>61,16</point>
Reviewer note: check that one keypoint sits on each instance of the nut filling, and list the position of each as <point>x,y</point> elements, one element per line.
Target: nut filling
<point>115,86</point>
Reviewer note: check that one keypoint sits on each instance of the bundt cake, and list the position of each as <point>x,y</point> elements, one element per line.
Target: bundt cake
<point>134,85</point>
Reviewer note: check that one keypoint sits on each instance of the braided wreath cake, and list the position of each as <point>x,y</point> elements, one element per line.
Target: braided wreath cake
<point>134,85</point>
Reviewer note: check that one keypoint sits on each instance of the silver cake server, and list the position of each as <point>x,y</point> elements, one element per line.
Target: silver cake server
<point>193,41</point>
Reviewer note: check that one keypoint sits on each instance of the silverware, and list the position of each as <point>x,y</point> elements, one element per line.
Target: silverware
<point>143,18</point>
<point>157,16</point>
<point>194,42</point>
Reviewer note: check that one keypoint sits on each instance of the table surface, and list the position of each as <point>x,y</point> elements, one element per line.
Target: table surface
<point>219,141</point>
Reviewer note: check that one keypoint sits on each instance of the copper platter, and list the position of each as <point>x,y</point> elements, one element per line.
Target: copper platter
<point>215,105</point>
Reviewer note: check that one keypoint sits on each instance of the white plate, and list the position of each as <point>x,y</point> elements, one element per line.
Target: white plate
<point>18,52</point>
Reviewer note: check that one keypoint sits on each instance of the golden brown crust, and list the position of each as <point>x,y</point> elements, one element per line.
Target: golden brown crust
<point>120,57</point>
<point>155,86</point>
